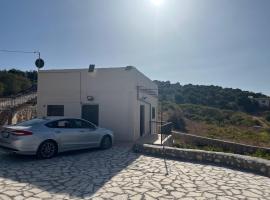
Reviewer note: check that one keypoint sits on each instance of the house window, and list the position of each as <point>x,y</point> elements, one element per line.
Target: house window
<point>153,112</point>
<point>55,110</point>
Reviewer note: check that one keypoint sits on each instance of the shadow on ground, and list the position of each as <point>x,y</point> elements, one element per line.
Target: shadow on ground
<point>76,174</point>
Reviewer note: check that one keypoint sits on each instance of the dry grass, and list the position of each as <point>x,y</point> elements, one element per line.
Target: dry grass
<point>240,134</point>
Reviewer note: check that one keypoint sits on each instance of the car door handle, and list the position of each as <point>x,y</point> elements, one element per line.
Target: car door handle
<point>82,131</point>
<point>58,131</point>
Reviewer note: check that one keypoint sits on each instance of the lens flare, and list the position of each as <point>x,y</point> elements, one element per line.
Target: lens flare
<point>157,2</point>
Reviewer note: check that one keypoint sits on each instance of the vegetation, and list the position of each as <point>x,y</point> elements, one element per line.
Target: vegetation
<point>220,124</point>
<point>217,116</point>
<point>267,117</point>
<point>216,112</point>
<point>213,96</point>
<point>258,153</point>
<point>14,81</point>
<point>261,154</point>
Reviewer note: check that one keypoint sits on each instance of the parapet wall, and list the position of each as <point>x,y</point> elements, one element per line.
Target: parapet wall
<point>246,163</point>
<point>226,145</point>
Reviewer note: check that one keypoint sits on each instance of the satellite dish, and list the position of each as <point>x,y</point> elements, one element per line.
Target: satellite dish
<point>39,63</point>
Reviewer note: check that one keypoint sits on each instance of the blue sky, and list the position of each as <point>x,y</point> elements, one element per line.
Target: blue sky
<point>224,42</point>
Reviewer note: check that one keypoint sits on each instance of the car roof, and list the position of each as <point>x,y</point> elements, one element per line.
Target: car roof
<point>54,118</point>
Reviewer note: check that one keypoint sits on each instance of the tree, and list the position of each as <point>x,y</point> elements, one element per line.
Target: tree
<point>31,75</point>
<point>268,117</point>
<point>213,96</point>
<point>1,89</point>
<point>248,105</point>
<point>17,72</point>
<point>14,83</point>
<point>178,121</point>
<point>179,98</point>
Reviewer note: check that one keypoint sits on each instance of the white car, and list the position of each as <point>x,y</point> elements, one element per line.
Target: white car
<point>45,137</point>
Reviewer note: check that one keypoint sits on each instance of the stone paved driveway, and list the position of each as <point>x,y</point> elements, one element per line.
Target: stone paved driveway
<point>120,174</point>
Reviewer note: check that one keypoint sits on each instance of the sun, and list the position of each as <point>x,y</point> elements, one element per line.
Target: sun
<point>157,2</point>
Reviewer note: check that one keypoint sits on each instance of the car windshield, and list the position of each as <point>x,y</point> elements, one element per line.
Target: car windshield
<point>31,122</point>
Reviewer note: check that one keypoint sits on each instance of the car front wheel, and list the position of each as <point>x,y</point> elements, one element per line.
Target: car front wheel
<point>106,142</point>
<point>47,149</point>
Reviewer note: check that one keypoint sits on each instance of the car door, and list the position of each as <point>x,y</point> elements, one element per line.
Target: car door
<point>90,135</point>
<point>70,138</point>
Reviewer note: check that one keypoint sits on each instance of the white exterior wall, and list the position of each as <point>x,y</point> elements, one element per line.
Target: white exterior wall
<point>148,101</point>
<point>113,89</point>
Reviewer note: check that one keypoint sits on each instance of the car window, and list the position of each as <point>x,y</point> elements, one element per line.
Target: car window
<point>65,123</point>
<point>31,122</point>
<point>77,123</point>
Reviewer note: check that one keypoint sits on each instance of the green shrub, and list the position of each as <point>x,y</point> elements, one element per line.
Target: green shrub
<point>14,83</point>
<point>261,154</point>
<point>184,145</point>
<point>178,121</point>
<point>217,116</point>
<point>268,117</point>
<point>1,89</point>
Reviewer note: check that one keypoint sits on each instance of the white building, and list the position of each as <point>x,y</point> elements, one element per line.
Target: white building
<point>121,99</point>
<point>263,102</point>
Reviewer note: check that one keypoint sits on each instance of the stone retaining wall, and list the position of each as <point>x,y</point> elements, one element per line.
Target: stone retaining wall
<point>246,163</point>
<point>228,146</point>
<point>23,114</point>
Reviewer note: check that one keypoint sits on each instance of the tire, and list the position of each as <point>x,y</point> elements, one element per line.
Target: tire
<point>106,142</point>
<point>47,149</point>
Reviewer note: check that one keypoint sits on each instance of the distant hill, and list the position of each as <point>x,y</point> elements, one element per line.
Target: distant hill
<point>14,81</point>
<point>213,96</point>
<point>215,112</point>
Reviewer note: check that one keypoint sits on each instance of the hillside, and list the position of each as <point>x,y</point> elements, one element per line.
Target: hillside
<point>14,81</point>
<point>219,124</point>
<point>216,112</point>
<point>213,96</point>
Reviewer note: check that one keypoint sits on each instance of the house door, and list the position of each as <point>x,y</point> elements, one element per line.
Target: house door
<point>142,120</point>
<point>90,113</point>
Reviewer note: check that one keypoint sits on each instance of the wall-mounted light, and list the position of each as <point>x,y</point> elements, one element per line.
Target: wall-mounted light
<point>90,98</point>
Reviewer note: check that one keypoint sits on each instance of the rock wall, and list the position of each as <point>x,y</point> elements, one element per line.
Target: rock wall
<point>240,162</point>
<point>229,146</point>
<point>23,114</point>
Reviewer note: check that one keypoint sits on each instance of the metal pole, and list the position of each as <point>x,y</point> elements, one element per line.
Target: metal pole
<point>161,119</point>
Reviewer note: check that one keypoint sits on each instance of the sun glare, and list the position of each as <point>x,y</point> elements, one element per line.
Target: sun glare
<point>157,2</point>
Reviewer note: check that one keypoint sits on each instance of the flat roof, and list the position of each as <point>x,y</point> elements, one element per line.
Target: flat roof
<point>84,69</point>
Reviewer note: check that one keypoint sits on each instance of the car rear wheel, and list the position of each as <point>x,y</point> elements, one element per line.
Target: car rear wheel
<point>47,149</point>
<point>106,142</point>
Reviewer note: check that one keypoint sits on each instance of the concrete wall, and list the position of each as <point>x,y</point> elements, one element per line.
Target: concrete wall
<point>59,88</point>
<point>113,89</point>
